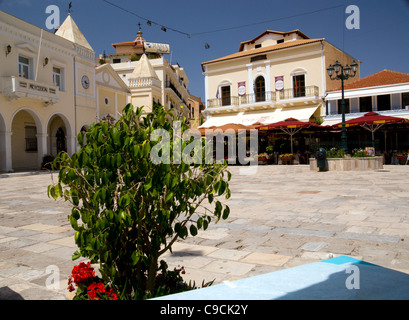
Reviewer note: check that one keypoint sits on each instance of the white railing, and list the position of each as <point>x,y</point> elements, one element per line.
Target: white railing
<point>144,82</point>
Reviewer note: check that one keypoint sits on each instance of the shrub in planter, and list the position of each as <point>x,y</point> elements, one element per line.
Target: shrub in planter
<point>335,153</point>
<point>47,162</point>
<point>128,210</point>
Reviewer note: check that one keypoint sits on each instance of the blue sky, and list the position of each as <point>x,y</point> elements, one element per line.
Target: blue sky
<point>382,42</point>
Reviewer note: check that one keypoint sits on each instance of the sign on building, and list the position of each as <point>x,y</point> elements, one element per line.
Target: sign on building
<point>156,47</point>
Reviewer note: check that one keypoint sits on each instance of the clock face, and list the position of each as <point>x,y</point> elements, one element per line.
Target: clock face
<point>85,82</point>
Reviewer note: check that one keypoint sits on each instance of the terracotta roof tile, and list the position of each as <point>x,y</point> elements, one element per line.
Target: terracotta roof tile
<point>381,78</point>
<point>271,31</point>
<point>279,46</point>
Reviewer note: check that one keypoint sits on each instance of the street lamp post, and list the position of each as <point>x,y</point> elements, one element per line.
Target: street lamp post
<point>342,73</point>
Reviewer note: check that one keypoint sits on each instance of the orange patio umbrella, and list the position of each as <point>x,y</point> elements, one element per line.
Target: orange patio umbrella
<point>230,126</point>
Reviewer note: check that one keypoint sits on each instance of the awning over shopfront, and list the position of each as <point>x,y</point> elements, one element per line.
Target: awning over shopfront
<point>249,118</point>
<point>290,126</point>
<point>371,121</point>
<point>230,127</point>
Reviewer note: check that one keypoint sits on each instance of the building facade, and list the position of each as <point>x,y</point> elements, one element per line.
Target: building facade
<point>49,91</point>
<point>149,75</point>
<point>275,76</point>
<point>385,92</point>
<point>195,108</point>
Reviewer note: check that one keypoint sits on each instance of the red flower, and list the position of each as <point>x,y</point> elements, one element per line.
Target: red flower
<point>94,288</point>
<point>112,295</point>
<point>81,274</point>
<point>84,275</point>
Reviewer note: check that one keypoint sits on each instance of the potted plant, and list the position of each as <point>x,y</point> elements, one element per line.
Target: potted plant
<point>262,157</point>
<point>270,154</point>
<point>286,157</point>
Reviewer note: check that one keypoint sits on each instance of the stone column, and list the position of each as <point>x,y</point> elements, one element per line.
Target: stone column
<point>42,147</point>
<point>6,162</point>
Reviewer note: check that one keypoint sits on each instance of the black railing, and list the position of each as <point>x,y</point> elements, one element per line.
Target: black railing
<point>170,85</point>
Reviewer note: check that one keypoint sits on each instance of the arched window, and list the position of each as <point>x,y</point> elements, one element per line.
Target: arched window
<point>260,89</point>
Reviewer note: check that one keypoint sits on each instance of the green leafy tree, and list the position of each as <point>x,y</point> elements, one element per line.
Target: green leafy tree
<point>127,211</point>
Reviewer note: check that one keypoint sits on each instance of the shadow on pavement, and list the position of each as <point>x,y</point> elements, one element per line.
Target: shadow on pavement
<point>7,294</point>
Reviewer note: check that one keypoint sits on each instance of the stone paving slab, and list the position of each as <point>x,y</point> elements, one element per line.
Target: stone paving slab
<point>281,217</point>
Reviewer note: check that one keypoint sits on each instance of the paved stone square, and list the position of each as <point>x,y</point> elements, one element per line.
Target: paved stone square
<point>281,217</point>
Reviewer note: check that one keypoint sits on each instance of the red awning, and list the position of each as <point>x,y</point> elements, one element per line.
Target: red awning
<point>287,124</point>
<point>371,118</point>
<point>290,126</point>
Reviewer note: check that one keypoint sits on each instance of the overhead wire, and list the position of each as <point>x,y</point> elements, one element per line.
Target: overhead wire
<point>267,21</point>
<point>149,21</point>
<point>207,46</point>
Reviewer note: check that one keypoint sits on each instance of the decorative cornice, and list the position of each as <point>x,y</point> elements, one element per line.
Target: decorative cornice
<point>22,35</point>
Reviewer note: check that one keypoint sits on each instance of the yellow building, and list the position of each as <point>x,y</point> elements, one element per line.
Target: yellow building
<point>275,76</point>
<point>50,90</point>
<point>195,107</point>
<point>149,75</point>
<point>112,93</point>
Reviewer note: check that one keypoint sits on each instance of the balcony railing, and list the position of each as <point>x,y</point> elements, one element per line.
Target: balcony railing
<point>251,98</point>
<point>223,102</point>
<point>260,97</point>
<point>170,85</point>
<point>293,93</point>
<point>16,87</point>
<point>263,99</point>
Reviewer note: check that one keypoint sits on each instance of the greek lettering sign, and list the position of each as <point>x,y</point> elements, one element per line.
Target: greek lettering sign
<point>156,47</point>
<point>38,88</point>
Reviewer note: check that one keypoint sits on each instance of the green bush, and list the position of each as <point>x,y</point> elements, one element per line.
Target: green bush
<point>128,211</point>
<point>360,153</point>
<point>335,153</point>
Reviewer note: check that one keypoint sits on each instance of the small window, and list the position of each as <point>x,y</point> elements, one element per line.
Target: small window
<point>31,138</point>
<point>258,58</point>
<point>347,106</point>
<point>257,46</point>
<point>58,78</point>
<point>405,100</point>
<point>384,102</point>
<point>365,104</point>
<point>280,41</point>
<point>116,60</point>
<point>24,67</point>
<point>106,100</point>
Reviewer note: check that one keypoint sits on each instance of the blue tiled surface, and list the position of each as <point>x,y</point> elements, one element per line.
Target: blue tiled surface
<point>338,278</point>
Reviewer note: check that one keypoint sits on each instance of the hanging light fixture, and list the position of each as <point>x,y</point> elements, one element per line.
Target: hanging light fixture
<point>8,50</point>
